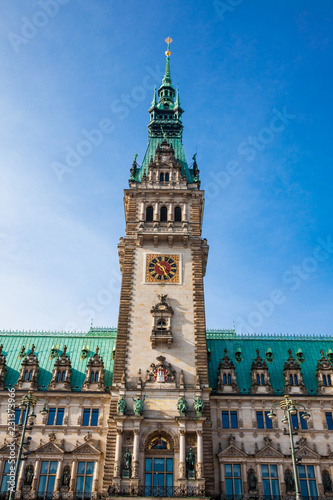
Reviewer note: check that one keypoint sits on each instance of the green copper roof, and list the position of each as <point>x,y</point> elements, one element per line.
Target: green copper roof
<point>165,123</point>
<point>104,338</point>
<point>279,344</point>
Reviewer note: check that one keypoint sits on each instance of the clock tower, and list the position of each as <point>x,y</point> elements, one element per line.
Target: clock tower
<point>159,433</point>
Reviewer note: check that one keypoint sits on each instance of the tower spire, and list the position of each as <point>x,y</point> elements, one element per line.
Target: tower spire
<point>167,77</point>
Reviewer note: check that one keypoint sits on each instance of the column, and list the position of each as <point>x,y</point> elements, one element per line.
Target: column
<point>244,478</point>
<point>170,212</point>
<point>319,480</point>
<point>200,471</point>
<point>184,212</point>
<point>135,462</point>
<point>142,211</point>
<point>281,479</point>
<point>73,475</point>
<point>20,480</point>
<point>119,447</point>
<point>95,477</point>
<point>182,467</point>
<point>35,480</point>
<point>156,212</point>
<point>58,476</point>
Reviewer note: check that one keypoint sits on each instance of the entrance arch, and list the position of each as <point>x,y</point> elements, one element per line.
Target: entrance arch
<point>159,464</point>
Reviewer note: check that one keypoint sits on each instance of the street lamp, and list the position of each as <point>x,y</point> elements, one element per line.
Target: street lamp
<point>28,404</point>
<point>289,408</point>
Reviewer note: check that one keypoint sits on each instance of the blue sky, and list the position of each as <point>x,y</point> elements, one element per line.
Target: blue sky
<point>255,81</point>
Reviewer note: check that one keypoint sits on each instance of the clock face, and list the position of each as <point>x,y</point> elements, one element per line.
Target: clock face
<point>162,268</point>
<point>164,158</point>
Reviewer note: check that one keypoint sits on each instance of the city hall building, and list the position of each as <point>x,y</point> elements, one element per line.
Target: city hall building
<point>162,406</point>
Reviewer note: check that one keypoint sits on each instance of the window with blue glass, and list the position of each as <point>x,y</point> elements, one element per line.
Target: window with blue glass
<point>329,420</point>
<point>159,476</point>
<point>233,480</point>
<point>298,421</point>
<point>47,477</point>
<point>90,417</point>
<point>263,422</point>
<point>84,477</point>
<point>18,414</point>
<point>229,420</point>
<point>270,480</point>
<point>56,416</point>
<point>307,481</point>
<point>5,475</point>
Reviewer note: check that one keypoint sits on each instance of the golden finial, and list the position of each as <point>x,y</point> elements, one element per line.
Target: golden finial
<point>168,41</point>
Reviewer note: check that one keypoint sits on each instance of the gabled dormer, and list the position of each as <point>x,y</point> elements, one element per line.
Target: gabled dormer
<point>161,330</point>
<point>226,375</point>
<point>94,374</point>
<point>260,383</point>
<point>29,371</point>
<point>61,376</point>
<point>3,368</point>
<point>324,375</point>
<point>293,379</point>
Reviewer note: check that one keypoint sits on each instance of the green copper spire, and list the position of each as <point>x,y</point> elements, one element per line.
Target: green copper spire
<point>167,77</point>
<point>177,103</point>
<point>154,102</point>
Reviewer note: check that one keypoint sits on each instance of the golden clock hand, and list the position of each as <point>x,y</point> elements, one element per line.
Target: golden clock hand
<point>163,269</point>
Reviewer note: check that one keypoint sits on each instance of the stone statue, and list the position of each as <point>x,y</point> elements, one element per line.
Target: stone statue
<point>190,460</point>
<point>182,406</point>
<point>327,482</point>
<point>251,480</point>
<point>198,405</point>
<point>127,459</point>
<point>138,405</point>
<point>66,477</point>
<point>290,481</point>
<point>121,406</point>
<point>29,474</point>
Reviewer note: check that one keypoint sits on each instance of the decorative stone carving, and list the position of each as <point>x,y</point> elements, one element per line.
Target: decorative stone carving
<point>66,477</point>
<point>127,461</point>
<point>182,406</point>
<point>251,480</point>
<point>293,380</point>
<point>190,464</point>
<point>327,482</point>
<point>198,406</point>
<point>138,405</point>
<point>161,372</point>
<point>94,374</point>
<point>3,368</point>
<point>289,481</point>
<point>29,371</point>
<point>161,331</point>
<point>121,406</point>
<point>324,375</point>
<point>226,375</point>
<point>29,475</point>
<point>260,382</point>
<point>61,377</point>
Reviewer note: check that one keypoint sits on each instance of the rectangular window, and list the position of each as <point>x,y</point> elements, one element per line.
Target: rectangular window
<point>5,476</point>
<point>47,477</point>
<point>233,480</point>
<point>329,420</point>
<point>84,480</point>
<point>298,421</point>
<point>303,422</point>
<point>56,416</point>
<point>270,480</point>
<point>294,421</point>
<point>158,477</point>
<point>90,416</point>
<point>229,420</point>
<point>307,481</point>
<point>263,423</point>
<point>18,413</point>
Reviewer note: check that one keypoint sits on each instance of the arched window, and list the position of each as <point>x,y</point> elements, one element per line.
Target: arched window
<point>92,376</point>
<point>166,178</point>
<point>291,380</point>
<point>30,375</point>
<point>63,376</point>
<point>295,379</point>
<point>329,381</point>
<point>224,379</point>
<point>26,375</point>
<point>178,214</point>
<point>161,324</point>
<point>262,379</point>
<point>161,177</point>
<point>164,214</point>
<point>324,380</point>
<point>96,376</point>
<point>229,379</point>
<point>258,380</point>
<point>59,377</point>
<point>149,214</point>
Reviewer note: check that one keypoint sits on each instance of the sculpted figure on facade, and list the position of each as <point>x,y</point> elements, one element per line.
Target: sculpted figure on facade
<point>138,405</point>
<point>198,405</point>
<point>121,406</point>
<point>182,406</point>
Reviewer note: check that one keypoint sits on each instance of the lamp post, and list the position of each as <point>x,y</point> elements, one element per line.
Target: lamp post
<point>289,408</point>
<point>28,404</point>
